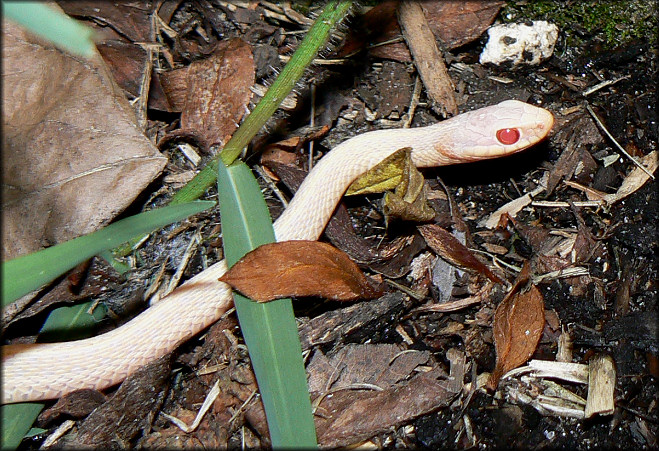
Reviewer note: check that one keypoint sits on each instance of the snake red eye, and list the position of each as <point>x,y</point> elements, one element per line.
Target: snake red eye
<point>508,136</point>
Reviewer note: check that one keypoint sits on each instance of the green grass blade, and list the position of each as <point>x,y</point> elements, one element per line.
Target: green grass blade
<point>269,329</point>
<point>24,274</point>
<point>53,25</point>
<point>17,420</point>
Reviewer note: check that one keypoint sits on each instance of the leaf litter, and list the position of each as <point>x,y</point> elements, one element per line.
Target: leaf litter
<point>555,241</point>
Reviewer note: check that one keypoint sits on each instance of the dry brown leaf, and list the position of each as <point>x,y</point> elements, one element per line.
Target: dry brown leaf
<point>450,249</point>
<point>128,63</point>
<point>213,93</point>
<point>298,268</point>
<point>518,324</point>
<point>458,23</point>
<point>73,157</point>
<point>298,139</point>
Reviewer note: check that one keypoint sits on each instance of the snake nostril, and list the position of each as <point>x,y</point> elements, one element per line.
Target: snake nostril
<point>508,136</point>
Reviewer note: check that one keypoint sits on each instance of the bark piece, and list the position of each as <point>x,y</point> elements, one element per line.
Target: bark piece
<point>350,416</point>
<point>427,58</point>
<point>354,323</point>
<point>131,409</point>
<point>601,386</point>
<point>379,365</point>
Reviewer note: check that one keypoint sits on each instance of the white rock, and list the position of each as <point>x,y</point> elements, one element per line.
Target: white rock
<point>520,44</point>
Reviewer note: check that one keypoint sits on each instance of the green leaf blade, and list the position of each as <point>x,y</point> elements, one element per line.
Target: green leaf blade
<point>24,274</point>
<point>17,420</point>
<point>269,329</point>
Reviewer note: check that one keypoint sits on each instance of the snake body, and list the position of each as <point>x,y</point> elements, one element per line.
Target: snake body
<point>50,370</point>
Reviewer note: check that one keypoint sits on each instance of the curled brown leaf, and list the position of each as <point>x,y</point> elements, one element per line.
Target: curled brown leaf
<point>298,268</point>
<point>450,249</point>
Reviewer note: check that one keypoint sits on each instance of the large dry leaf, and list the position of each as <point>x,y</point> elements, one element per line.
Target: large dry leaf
<point>518,324</point>
<point>298,268</point>
<point>73,157</point>
<point>212,94</point>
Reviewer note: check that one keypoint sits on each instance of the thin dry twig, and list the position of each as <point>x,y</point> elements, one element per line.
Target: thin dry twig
<point>617,144</point>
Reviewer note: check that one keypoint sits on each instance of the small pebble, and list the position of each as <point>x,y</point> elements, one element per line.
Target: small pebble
<point>521,44</point>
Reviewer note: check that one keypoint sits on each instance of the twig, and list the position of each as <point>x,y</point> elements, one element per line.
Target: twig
<point>601,85</point>
<point>312,123</point>
<point>208,402</point>
<point>559,204</point>
<point>620,148</point>
<point>416,94</point>
<point>272,185</point>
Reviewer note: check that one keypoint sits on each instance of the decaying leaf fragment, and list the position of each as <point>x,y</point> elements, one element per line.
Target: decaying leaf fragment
<point>298,268</point>
<point>518,324</point>
<point>450,249</point>
<point>636,179</point>
<point>408,201</point>
<point>386,175</point>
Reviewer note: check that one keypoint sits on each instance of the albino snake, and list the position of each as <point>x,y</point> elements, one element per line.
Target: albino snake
<point>51,370</point>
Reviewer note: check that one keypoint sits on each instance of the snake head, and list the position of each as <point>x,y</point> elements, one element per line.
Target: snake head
<point>494,131</point>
